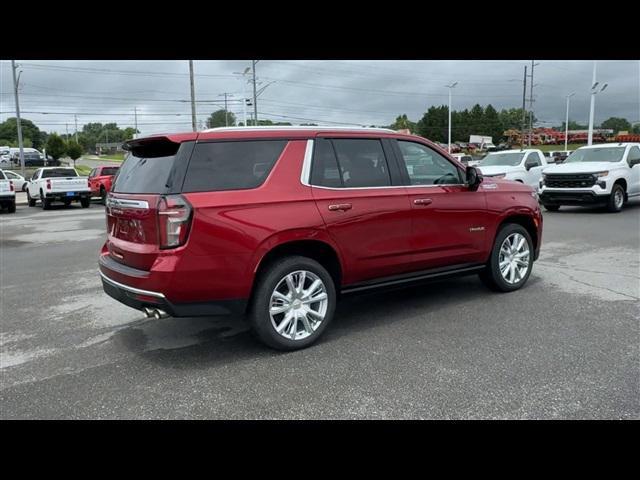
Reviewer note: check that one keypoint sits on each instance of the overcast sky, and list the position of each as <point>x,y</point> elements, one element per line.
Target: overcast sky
<point>322,92</point>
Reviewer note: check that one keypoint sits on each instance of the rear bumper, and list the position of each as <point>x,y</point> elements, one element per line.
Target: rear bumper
<point>7,200</point>
<point>62,196</point>
<point>139,298</point>
<point>583,197</point>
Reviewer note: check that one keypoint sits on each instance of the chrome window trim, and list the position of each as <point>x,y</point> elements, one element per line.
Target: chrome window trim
<point>306,174</point>
<point>127,203</point>
<point>131,289</point>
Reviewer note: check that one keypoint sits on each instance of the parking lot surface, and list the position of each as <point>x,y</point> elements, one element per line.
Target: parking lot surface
<point>567,345</point>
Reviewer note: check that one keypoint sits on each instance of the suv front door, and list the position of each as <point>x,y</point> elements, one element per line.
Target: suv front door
<point>448,220</point>
<point>634,177</point>
<point>364,206</point>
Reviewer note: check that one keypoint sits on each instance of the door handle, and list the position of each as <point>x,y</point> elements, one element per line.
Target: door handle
<point>422,201</point>
<point>340,206</point>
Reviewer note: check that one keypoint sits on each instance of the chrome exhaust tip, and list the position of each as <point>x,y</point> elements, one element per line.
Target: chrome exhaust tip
<point>148,313</point>
<point>154,313</point>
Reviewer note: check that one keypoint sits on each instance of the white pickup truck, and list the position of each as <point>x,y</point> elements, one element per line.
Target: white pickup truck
<point>7,193</point>
<point>58,184</point>
<point>524,166</point>
<point>606,174</point>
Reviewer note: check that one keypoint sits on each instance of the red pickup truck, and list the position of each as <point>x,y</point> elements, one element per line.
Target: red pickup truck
<point>100,180</point>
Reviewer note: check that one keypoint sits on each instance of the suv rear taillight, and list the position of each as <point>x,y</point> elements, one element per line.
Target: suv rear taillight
<point>48,184</point>
<point>174,220</point>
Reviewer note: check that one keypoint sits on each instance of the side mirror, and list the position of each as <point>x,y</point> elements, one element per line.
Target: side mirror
<point>474,178</point>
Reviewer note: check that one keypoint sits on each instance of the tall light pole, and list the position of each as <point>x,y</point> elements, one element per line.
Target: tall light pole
<point>193,97</point>
<point>450,87</point>
<point>594,91</point>
<point>531,102</point>
<point>244,93</point>
<point>75,118</point>
<point>566,122</point>
<point>15,91</point>
<point>135,119</point>
<point>255,102</point>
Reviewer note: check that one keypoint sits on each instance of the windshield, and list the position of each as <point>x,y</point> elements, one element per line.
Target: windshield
<point>604,154</point>
<point>509,159</point>
<point>59,172</point>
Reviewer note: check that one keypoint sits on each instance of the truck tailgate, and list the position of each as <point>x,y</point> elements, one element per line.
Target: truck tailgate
<point>71,184</point>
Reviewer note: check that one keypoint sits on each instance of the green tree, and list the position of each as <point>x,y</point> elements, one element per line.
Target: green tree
<point>402,122</point>
<point>9,132</point>
<point>636,128</point>
<point>492,124</point>
<point>221,118</point>
<point>616,124</point>
<point>433,124</point>
<point>56,147</point>
<point>74,150</point>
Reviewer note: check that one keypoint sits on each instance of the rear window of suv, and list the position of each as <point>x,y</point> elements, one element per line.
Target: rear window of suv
<point>238,165</point>
<point>147,168</point>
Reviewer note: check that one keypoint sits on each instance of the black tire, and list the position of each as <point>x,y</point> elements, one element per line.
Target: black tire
<point>258,312</point>
<point>491,276</point>
<point>30,201</point>
<point>12,208</point>
<point>85,202</point>
<point>552,208</point>
<point>613,204</point>
<point>45,203</point>
<point>24,187</point>
<point>103,195</point>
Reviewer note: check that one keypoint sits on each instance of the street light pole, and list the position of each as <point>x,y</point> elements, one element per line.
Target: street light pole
<point>75,117</point>
<point>594,92</point>
<point>193,97</point>
<point>15,91</point>
<point>450,87</point>
<point>566,122</point>
<point>255,102</point>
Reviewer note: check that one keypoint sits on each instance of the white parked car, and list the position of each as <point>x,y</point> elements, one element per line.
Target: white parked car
<point>58,184</point>
<point>524,166</point>
<point>19,182</point>
<point>7,194</point>
<point>464,158</point>
<point>606,174</point>
<point>5,157</point>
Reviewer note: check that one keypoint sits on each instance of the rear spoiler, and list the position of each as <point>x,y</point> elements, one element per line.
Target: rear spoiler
<point>161,138</point>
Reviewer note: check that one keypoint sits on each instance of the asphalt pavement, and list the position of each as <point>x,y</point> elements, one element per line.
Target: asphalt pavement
<point>565,346</point>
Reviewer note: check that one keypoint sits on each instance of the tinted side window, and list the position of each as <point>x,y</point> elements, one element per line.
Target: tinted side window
<point>362,162</point>
<point>231,165</point>
<point>324,166</point>
<point>634,154</point>
<point>533,159</point>
<point>427,167</point>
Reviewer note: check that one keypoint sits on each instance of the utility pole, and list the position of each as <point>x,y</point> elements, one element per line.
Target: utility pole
<point>255,101</point>
<point>524,108</point>
<point>531,103</point>
<point>450,87</point>
<point>226,111</point>
<point>135,119</point>
<point>193,97</point>
<point>566,122</point>
<point>15,91</point>
<point>66,126</point>
<point>75,117</point>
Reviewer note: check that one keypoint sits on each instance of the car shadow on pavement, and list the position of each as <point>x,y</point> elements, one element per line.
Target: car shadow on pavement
<point>633,204</point>
<point>199,343</point>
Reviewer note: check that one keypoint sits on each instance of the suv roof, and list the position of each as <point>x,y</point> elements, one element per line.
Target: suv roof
<point>602,145</point>
<point>299,127</point>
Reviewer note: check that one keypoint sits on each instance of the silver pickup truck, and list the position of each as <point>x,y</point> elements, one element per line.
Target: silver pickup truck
<point>58,184</point>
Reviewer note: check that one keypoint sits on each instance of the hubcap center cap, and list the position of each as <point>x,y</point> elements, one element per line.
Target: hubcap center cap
<point>297,304</point>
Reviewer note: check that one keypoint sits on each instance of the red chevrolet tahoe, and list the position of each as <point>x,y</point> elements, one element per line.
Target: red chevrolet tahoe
<point>277,223</point>
<point>100,180</point>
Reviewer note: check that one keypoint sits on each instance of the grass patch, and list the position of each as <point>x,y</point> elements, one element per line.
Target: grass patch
<point>83,170</point>
<point>117,157</point>
<point>549,148</point>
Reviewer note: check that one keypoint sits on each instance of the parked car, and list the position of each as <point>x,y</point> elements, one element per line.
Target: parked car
<point>100,180</point>
<point>524,166</point>
<point>606,174</point>
<point>557,156</point>
<point>18,181</point>
<point>277,222</point>
<point>7,194</point>
<point>5,157</point>
<point>32,157</point>
<point>463,157</point>
<point>58,184</point>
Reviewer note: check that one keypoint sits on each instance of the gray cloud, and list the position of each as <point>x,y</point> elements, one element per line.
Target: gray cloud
<point>351,92</point>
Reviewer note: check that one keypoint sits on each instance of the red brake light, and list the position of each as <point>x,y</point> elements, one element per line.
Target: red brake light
<point>11,187</point>
<point>174,220</point>
<point>48,184</point>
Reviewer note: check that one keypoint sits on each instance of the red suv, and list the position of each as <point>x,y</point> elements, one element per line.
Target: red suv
<point>279,222</point>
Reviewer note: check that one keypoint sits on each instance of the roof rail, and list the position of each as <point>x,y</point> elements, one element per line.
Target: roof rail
<point>294,127</point>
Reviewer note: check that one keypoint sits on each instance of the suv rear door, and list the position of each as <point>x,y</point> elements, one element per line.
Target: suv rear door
<point>448,220</point>
<point>363,204</point>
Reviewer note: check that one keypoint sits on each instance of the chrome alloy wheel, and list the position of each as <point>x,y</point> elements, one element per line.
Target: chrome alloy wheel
<point>618,198</point>
<point>514,258</point>
<point>298,305</point>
